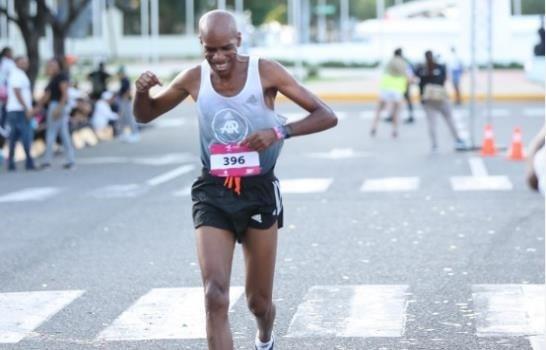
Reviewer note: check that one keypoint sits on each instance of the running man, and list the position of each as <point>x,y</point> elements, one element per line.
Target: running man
<point>237,196</point>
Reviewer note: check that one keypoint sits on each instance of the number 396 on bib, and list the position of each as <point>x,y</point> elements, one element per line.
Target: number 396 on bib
<point>233,160</point>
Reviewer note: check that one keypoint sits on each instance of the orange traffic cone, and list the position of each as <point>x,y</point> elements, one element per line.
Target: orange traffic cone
<point>516,149</point>
<point>488,147</point>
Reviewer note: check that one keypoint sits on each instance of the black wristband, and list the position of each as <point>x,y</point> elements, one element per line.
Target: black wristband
<point>287,131</point>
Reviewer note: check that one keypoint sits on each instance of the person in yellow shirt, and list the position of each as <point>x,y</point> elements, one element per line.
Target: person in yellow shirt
<point>391,90</point>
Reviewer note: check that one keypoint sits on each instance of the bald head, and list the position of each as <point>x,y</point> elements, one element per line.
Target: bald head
<point>217,22</point>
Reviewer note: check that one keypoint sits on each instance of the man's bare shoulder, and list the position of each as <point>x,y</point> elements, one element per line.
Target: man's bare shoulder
<point>187,78</point>
<point>271,71</point>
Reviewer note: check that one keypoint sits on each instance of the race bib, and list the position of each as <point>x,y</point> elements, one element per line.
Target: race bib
<point>233,160</point>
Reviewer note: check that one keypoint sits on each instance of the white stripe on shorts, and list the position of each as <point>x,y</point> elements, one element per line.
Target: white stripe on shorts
<point>278,200</point>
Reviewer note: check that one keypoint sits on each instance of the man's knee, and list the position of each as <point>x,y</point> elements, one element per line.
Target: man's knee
<point>258,304</point>
<point>216,298</point>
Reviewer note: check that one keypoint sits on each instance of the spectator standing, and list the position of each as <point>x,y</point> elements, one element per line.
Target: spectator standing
<point>99,81</point>
<point>58,113</point>
<point>20,112</point>
<point>6,65</point>
<point>432,77</point>
<point>456,70</point>
<point>392,87</point>
<point>126,116</point>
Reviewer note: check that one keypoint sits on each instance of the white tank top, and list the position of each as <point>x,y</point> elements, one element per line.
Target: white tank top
<point>229,120</point>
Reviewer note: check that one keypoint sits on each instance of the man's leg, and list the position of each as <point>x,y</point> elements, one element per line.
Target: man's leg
<point>215,252</point>
<point>67,139</point>
<point>13,137</point>
<point>260,251</point>
<point>27,138</point>
<point>394,113</point>
<point>375,122</point>
<point>407,97</point>
<point>431,122</point>
<point>52,129</point>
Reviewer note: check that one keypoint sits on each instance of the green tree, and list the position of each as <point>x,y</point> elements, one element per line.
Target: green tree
<point>532,7</point>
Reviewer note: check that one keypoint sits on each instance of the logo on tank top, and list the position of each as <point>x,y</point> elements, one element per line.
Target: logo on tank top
<point>229,126</point>
<point>252,100</point>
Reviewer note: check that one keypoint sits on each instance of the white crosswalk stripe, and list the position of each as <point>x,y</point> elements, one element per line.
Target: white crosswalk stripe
<point>510,310</point>
<point>306,185</point>
<point>534,112</point>
<point>480,179</point>
<point>120,191</point>
<point>30,194</point>
<point>166,313</point>
<point>357,311</point>
<point>351,311</point>
<point>390,184</point>
<point>170,175</point>
<point>23,312</point>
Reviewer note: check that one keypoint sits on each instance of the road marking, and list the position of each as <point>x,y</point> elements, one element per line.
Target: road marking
<point>185,192</point>
<point>120,191</point>
<point>165,313</point>
<point>104,160</point>
<point>499,112</point>
<point>480,180</point>
<point>534,112</point>
<point>390,184</point>
<point>477,167</point>
<point>509,309</point>
<point>351,311</point>
<point>23,312</point>
<point>306,185</point>
<point>30,194</point>
<point>338,153</point>
<point>489,183</point>
<point>168,176</point>
<point>165,159</point>
<point>537,342</point>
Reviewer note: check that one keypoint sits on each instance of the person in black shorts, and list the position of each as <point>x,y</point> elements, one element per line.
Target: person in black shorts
<point>237,197</point>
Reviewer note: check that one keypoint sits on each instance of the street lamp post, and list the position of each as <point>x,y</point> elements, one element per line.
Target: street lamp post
<point>190,17</point>
<point>145,27</point>
<point>239,6</point>
<point>344,19</point>
<point>472,104</point>
<point>155,26</point>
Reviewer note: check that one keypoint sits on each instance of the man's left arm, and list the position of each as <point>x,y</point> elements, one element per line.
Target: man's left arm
<point>321,117</point>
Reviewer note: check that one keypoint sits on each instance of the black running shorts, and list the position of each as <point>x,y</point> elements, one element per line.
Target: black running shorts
<point>259,205</point>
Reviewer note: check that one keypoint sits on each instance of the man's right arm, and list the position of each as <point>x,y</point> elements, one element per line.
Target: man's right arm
<point>146,108</point>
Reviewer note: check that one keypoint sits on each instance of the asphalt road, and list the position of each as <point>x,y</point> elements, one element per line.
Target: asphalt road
<point>385,245</point>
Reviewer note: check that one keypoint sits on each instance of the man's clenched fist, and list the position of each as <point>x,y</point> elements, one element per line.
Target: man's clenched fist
<point>146,81</point>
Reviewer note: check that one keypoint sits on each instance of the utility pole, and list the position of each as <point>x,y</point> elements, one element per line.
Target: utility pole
<point>190,17</point>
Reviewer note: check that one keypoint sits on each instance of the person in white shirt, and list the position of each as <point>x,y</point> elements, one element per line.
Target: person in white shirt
<point>19,112</point>
<point>103,115</point>
<point>6,65</point>
<point>456,69</point>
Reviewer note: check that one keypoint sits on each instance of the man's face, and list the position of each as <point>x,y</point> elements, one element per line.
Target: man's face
<point>221,51</point>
